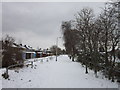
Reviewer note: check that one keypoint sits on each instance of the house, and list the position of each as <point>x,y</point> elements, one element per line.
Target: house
<point>28,52</point>
<point>46,52</point>
<point>39,53</point>
<point>22,52</point>
<point>25,52</point>
<point>28,55</point>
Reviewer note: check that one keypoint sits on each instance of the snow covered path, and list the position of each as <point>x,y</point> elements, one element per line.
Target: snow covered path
<point>61,74</point>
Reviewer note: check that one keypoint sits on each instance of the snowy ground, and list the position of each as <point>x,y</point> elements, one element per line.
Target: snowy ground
<point>61,74</point>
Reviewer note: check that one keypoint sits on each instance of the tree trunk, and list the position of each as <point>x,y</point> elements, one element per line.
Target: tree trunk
<point>113,55</point>
<point>86,70</point>
<point>96,74</point>
<point>73,58</point>
<point>106,55</point>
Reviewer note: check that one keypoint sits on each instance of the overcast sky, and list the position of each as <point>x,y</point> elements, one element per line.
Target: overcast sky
<point>38,24</point>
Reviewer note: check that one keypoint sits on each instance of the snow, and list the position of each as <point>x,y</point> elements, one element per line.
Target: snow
<point>117,60</point>
<point>51,74</point>
<point>29,52</point>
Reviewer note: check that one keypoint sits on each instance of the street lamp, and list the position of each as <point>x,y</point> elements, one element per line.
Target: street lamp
<point>57,46</point>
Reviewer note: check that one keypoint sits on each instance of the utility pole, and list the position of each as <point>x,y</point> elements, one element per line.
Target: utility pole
<point>57,47</point>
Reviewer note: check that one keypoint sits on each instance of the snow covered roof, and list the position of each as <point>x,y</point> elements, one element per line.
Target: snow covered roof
<point>14,45</point>
<point>22,47</point>
<point>39,52</point>
<point>29,52</point>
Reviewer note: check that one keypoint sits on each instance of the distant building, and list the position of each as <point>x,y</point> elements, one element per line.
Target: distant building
<point>26,51</point>
<point>39,53</point>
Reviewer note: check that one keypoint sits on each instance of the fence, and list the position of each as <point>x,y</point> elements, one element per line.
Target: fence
<point>6,75</point>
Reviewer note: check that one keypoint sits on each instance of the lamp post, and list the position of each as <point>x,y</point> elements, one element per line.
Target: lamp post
<point>57,47</point>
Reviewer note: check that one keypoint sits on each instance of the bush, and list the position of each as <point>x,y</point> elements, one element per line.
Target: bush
<point>5,76</point>
<point>7,59</point>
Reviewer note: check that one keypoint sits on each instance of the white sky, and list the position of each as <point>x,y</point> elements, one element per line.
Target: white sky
<point>55,0</point>
<point>38,24</point>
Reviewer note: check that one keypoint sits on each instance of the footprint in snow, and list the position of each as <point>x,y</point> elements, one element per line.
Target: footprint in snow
<point>29,80</point>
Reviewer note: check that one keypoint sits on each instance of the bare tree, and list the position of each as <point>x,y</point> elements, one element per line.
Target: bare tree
<point>7,43</point>
<point>70,38</point>
<point>53,50</point>
<point>11,55</point>
<point>88,37</point>
<point>84,20</point>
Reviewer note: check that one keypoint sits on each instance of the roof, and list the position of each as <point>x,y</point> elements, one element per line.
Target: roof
<point>40,52</point>
<point>28,52</point>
